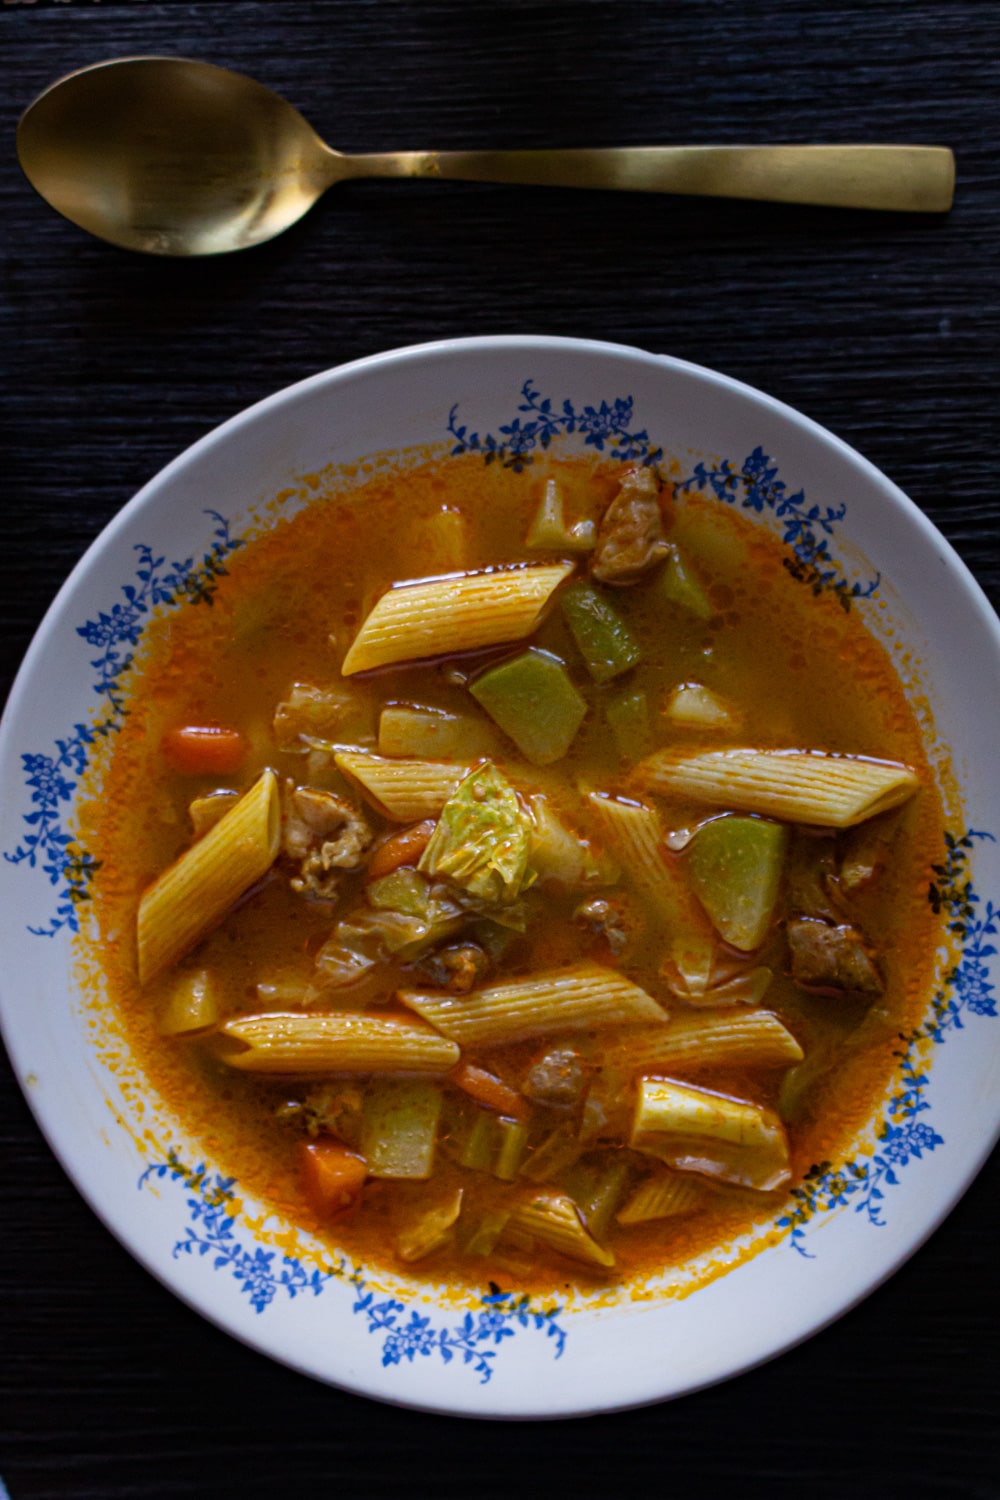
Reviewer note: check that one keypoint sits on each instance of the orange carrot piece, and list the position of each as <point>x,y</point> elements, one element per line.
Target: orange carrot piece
<point>489,1090</point>
<point>404,848</point>
<point>332,1176</point>
<point>204,749</point>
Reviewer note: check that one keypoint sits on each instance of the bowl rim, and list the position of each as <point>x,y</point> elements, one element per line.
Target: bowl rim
<point>47,1114</point>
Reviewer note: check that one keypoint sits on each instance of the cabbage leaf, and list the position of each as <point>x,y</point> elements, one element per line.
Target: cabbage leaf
<point>482,840</point>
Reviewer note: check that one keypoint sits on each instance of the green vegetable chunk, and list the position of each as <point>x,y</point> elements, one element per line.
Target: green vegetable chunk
<point>399,1127</point>
<point>482,839</point>
<point>735,869</point>
<point>533,700</point>
<point>403,890</point>
<point>627,716</point>
<point>681,587</point>
<point>604,640</point>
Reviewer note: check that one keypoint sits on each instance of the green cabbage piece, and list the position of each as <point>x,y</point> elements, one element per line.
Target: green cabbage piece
<point>482,840</point>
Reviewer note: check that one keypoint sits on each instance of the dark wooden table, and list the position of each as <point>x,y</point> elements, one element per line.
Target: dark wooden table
<point>885,329</point>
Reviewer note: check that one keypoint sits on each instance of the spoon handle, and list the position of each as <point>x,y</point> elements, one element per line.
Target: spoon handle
<point>906,179</point>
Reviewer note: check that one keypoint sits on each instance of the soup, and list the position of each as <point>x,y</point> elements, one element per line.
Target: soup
<point>517,877</point>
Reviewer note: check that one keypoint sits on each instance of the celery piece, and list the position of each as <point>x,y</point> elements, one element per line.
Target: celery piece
<point>403,890</point>
<point>479,1149</point>
<point>511,1144</point>
<point>557,1153</point>
<point>399,1127</point>
<point>735,869</point>
<point>602,637</point>
<point>484,1237</point>
<point>679,585</point>
<point>598,1188</point>
<point>482,839</point>
<point>533,700</point>
<point>627,716</point>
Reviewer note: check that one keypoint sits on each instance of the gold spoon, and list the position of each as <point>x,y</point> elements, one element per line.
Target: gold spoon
<point>177,157</point>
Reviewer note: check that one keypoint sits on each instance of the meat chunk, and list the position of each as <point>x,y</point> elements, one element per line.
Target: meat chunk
<point>630,538</point>
<point>811,877</point>
<point>309,710</point>
<point>559,1078</point>
<point>605,920</point>
<point>326,836</point>
<point>831,959</point>
<point>457,968</point>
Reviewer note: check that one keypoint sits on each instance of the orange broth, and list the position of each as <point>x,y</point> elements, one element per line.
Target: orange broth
<point>801,671</point>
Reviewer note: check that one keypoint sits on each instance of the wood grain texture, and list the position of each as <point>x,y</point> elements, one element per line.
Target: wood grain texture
<point>885,329</point>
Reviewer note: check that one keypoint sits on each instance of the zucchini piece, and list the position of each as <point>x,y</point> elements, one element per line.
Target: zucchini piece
<point>735,870</point>
<point>533,700</point>
<point>679,586</point>
<point>627,716</point>
<point>602,637</point>
<point>399,1127</point>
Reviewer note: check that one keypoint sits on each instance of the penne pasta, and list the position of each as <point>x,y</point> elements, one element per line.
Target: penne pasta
<point>798,786</point>
<point>197,890</point>
<point>710,1039</point>
<point>331,1042</point>
<point>634,837</point>
<point>555,1219</point>
<point>405,790</point>
<point>441,616</point>
<point>664,1195</point>
<point>585,995</point>
<point>697,1131</point>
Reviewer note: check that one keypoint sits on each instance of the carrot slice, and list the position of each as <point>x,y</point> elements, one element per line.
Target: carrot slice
<point>489,1090</point>
<point>404,848</point>
<point>332,1176</point>
<point>204,749</point>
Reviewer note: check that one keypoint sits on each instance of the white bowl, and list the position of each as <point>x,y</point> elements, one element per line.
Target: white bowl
<point>394,1340</point>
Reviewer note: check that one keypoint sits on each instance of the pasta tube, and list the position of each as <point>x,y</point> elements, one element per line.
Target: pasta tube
<point>584,995</point>
<point>799,786</point>
<point>664,1195</point>
<point>696,1131</point>
<point>711,1039</point>
<point>196,892</point>
<point>331,1042</point>
<point>440,616</point>
<point>405,790</point>
<point>634,837</point>
<point>555,1219</point>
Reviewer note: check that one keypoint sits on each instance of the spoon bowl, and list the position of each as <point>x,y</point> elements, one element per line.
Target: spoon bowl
<point>173,156</point>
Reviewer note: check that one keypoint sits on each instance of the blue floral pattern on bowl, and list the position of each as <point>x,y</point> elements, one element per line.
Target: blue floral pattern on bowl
<point>262,1275</point>
<point>609,426</point>
<point>52,779</point>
